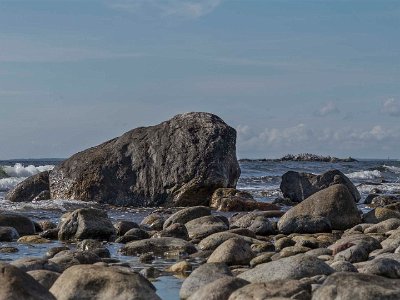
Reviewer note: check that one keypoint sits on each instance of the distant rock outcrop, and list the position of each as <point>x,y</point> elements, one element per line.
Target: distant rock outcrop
<point>304,157</point>
<point>180,162</point>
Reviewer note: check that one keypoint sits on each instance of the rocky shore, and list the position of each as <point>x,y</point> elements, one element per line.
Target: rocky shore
<point>307,157</point>
<point>225,244</point>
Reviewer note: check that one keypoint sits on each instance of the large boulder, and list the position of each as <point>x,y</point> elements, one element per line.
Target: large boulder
<point>335,203</point>
<point>100,282</point>
<point>16,285</point>
<point>299,186</point>
<point>30,188</point>
<point>179,162</point>
<point>350,285</point>
<point>86,223</point>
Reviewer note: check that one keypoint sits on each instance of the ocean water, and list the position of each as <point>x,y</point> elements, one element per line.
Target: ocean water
<point>260,178</point>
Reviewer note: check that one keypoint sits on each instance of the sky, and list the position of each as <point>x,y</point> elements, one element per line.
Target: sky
<point>294,76</point>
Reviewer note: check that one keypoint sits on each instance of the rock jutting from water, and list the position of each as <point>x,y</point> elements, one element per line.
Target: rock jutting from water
<point>179,162</point>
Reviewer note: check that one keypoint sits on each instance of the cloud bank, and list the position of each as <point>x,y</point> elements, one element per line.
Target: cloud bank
<point>391,107</point>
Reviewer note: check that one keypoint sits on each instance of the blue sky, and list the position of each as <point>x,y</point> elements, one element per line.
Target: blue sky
<point>291,76</point>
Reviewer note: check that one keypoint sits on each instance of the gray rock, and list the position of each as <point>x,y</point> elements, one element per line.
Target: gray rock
<point>16,285</point>
<point>8,234</point>
<point>158,246</point>
<point>261,259</point>
<point>299,186</point>
<point>306,224</point>
<point>256,221</point>
<point>86,223</point>
<point>22,224</point>
<point>384,226</point>
<point>99,282</point>
<point>153,221</point>
<point>230,199</point>
<point>176,230</point>
<point>354,248</point>
<point>334,203</point>
<point>212,241</point>
<point>30,188</point>
<point>348,285</point>
<point>380,214</point>
<point>381,266</point>
<point>220,289</point>
<point>35,263</point>
<point>187,214</point>
<point>44,277</point>
<point>204,226</point>
<point>293,267</point>
<point>178,162</point>
<point>293,289</point>
<point>343,266</point>
<point>44,195</point>
<point>234,251</point>
<point>68,258</point>
<point>201,276</point>
<point>121,227</point>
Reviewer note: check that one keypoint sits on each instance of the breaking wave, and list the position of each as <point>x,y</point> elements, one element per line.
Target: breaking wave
<point>19,170</point>
<point>375,174</point>
<point>392,169</point>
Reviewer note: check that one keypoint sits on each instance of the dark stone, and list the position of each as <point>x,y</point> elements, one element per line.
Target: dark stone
<point>179,162</point>
<point>30,188</point>
<point>22,224</point>
<point>8,234</point>
<point>121,227</point>
<point>300,186</point>
<point>158,246</point>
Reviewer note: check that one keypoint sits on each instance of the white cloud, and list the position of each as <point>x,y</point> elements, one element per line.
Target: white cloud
<point>328,109</point>
<point>391,107</point>
<point>180,8</point>
<point>302,138</point>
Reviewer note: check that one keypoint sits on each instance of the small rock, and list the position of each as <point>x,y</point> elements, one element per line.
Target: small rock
<point>220,289</point>
<point>180,267</point>
<point>234,251</point>
<point>293,267</point>
<point>158,246</point>
<point>22,224</point>
<point>8,234</point>
<point>187,214</point>
<point>293,289</point>
<point>33,239</point>
<point>204,226</point>
<point>201,276</point>
<point>121,227</point>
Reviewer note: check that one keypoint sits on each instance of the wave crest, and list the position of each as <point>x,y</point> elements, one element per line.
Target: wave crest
<point>20,171</point>
<point>374,174</point>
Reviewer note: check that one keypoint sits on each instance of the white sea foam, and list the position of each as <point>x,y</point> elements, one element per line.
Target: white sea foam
<point>18,170</point>
<point>393,169</point>
<point>365,175</point>
<point>8,183</point>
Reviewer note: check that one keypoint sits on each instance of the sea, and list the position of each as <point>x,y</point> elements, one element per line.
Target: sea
<point>259,177</point>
